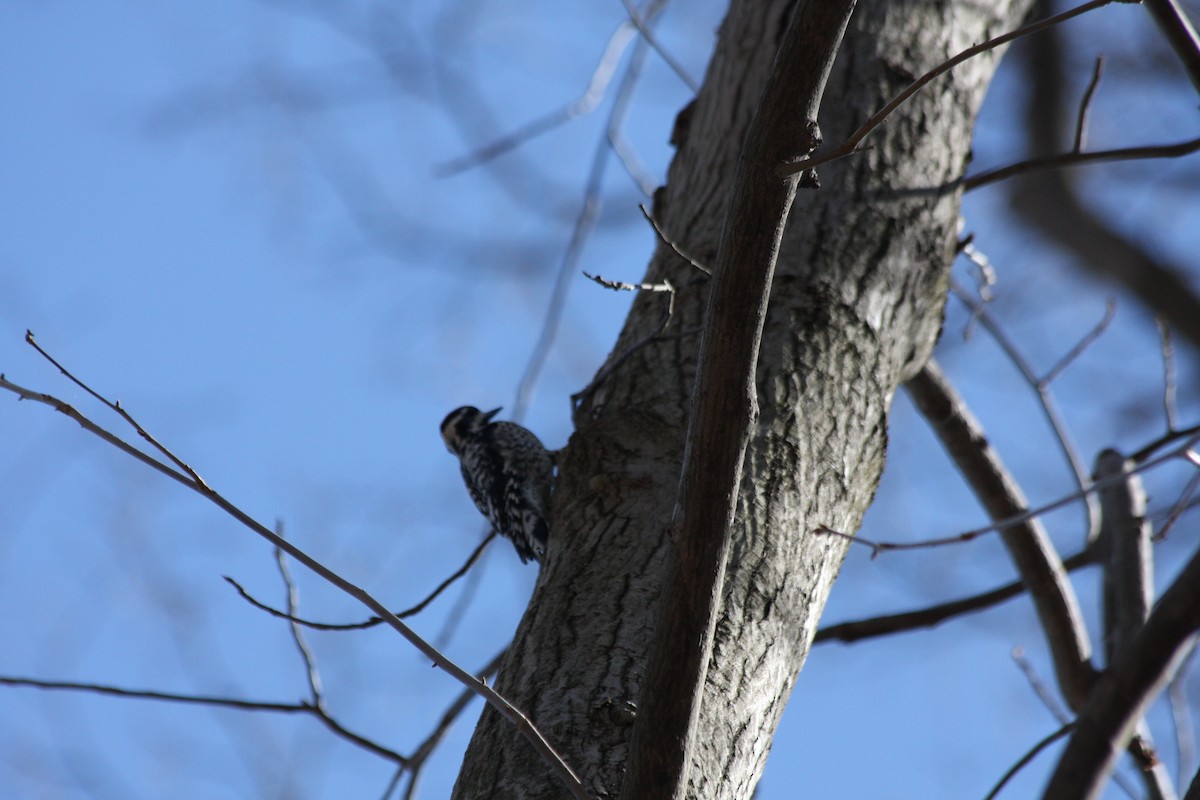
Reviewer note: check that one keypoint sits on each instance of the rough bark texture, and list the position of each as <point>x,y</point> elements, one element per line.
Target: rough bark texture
<point>856,307</point>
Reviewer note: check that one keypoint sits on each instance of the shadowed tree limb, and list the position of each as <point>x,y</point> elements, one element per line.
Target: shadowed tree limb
<point>724,401</point>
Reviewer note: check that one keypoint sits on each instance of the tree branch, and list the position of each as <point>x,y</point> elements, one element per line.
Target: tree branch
<point>506,709</point>
<point>853,142</point>
<point>1127,551</point>
<point>371,622</point>
<point>220,702</point>
<point>724,402</point>
<point>1106,723</point>
<point>1075,158</point>
<point>1051,204</point>
<point>1030,547</point>
<point>1180,34</point>
<point>932,616</point>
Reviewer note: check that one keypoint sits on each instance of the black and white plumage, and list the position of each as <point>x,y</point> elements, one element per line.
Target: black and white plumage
<point>508,473</point>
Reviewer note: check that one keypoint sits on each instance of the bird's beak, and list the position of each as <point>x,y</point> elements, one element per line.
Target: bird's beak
<point>489,414</point>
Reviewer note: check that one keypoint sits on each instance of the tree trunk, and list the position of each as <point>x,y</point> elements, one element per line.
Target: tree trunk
<point>855,309</point>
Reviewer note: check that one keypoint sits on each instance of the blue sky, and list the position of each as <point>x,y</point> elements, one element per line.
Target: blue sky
<point>227,216</point>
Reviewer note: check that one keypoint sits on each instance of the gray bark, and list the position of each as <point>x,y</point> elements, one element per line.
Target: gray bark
<point>855,309</point>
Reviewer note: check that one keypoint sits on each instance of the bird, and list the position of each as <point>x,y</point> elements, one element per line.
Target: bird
<point>508,473</point>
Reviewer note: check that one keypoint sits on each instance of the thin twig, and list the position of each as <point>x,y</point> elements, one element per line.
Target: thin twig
<point>1110,312</point>
<point>857,630</point>
<point>648,34</point>
<point>1140,153</point>
<point>1039,686</point>
<point>1126,688</point>
<point>675,248</point>
<point>614,131</point>
<point>1164,440</point>
<point>622,286</point>
<point>115,406</point>
<point>1029,545</point>
<point>458,611</point>
<point>206,700</point>
<point>878,548</point>
<point>1029,756</point>
<point>425,749</point>
<point>456,708</point>
<point>585,223</point>
<point>1085,106</point>
<point>612,365</point>
<point>584,104</point>
<point>1181,504</point>
<point>1170,410</point>
<point>1181,716</point>
<point>147,694</point>
<point>1046,401</point>
<point>393,783</point>
<point>851,144</point>
<point>293,606</point>
<point>497,701</point>
<point>1048,700</point>
<point>373,621</point>
<point>986,279</point>
<point>666,286</point>
<point>444,585</point>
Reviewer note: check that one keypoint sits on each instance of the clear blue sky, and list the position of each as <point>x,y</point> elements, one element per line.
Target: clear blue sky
<point>227,216</point>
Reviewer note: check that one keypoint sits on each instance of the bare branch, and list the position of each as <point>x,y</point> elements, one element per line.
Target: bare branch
<point>1110,312</point>
<point>613,364</point>
<point>1122,693</point>
<point>373,621</point>
<point>425,749</point>
<point>1180,33</point>
<point>1181,504</point>
<point>1170,410</point>
<point>853,143</point>
<point>115,406</point>
<point>293,605</point>
<point>1046,401</point>
<point>585,223</point>
<point>506,709</point>
<point>676,249</point>
<point>1128,555</point>
<point>615,129</point>
<point>622,286</point>
<point>582,105</point>
<point>1074,159</point>
<point>1085,106</point>
<point>1028,544</point>
<point>1029,756</point>
<point>665,286</point>
<point>459,610</point>
<point>878,548</point>
<point>935,615</point>
<point>1053,205</point>
<point>208,700</point>
<point>648,34</point>
<point>1039,686</point>
<point>723,403</point>
<point>458,573</point>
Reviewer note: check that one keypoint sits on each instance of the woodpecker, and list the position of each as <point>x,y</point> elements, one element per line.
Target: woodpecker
<point>508,474</point>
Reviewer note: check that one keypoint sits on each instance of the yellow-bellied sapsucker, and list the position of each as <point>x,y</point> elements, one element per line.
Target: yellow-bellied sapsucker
<point>508,473</point>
